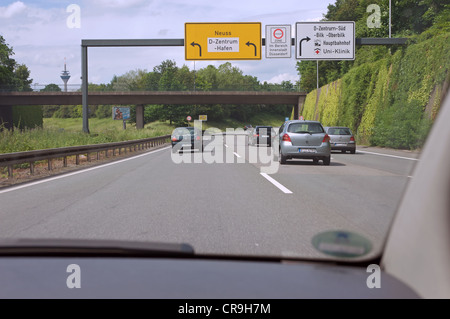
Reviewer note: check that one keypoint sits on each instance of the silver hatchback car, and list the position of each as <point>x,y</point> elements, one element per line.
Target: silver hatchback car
<point>304,139</point>
<point>341,139</point>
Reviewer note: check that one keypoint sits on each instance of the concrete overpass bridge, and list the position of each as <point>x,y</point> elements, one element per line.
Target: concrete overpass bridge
<point>7,100</point>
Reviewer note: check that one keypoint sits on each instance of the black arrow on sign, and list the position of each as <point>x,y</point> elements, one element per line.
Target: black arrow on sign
<point>307,39</point>
<point>199,47</point>
<point>249,44</point>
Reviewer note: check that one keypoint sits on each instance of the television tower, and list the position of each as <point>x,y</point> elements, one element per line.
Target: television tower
<point>65,76</point>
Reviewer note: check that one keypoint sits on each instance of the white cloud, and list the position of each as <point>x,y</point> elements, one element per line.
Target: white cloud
<point>118,3</point>
<point>13,9</point>
<point>313,19</point>
<point>40,37</point>
<point>284,77</point>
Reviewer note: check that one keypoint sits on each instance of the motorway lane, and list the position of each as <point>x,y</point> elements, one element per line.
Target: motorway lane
<point>356,191</point>
<point>217,208</point>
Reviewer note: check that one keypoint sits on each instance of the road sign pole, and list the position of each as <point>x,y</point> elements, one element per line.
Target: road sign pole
<point>389,18</point>
<point>317,73</point>
<point>84,87</point>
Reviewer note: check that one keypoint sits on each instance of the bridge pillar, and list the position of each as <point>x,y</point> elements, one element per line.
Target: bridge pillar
<point>6,118</point>
<point>299,107</point>
<point>140,116</point>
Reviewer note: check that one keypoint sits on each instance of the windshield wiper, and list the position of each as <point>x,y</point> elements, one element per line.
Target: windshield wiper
<point>89,248</point>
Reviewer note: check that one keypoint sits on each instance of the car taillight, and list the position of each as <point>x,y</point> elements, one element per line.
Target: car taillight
<point>286,138</point>
<point>174,139</point>
<point>326,138</point>
<point>198,138</point>
<point>255,135</point>
<point>352,139</point>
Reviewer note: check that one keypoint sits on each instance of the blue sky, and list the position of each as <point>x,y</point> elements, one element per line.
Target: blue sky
<point>38,32</point>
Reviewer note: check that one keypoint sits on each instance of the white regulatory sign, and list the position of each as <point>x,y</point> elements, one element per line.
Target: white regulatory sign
<point>278,41</point>
<point>331,40</point>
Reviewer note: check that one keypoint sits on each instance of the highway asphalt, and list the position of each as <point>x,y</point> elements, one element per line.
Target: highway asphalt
<point>218,208</point>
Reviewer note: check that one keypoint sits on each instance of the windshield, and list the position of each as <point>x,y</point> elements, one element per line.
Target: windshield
<point>263,129</point>
<point>153,70</point>
<point>305,128</point>
<point>184,130</point>
<point>339,131</point>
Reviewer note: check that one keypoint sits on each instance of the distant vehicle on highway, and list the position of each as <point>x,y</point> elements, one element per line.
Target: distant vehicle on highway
<point>305,140</point>
<point>261,135</point>
<point>186,138</point>
<point>249,126</point>
<point>341,139</point>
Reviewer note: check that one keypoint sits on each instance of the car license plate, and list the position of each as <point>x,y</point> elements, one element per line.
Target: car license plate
<point>307,150</point>
<point>340,144</point>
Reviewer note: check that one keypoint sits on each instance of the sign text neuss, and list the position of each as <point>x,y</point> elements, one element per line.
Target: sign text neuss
<point>223,44</point>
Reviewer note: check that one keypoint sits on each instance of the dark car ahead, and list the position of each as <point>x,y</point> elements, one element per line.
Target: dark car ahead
<point>186,138</point>
<point>341,139</point>
<point>261,135</point>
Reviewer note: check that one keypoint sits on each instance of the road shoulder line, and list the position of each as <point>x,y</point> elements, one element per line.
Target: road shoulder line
<point>13,188</point>
<point>388,155</point>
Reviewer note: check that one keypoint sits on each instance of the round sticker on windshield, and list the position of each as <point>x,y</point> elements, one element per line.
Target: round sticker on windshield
<point>342,244</point>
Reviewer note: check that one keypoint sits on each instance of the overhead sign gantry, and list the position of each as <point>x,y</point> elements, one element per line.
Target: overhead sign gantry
<point>216,41</point>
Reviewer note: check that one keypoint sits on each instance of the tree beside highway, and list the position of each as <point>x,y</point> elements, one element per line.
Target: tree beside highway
<point>16,77</point>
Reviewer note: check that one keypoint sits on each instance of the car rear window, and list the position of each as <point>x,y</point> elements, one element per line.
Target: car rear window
<point>265,129</point>
<point>305,127</point>
<point>339,131</point>
<point>182,131</point>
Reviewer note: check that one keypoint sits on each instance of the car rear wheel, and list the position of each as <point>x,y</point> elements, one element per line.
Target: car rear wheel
<point>343,151</point>
<point>282,158</point>
<point>326,160</point>
<point>315,161</point>
<point>353,151</point>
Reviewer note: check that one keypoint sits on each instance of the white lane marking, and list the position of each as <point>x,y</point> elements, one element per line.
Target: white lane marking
<point>410,177</point>
<point>237,155</point>
<point>78,172</point>
<point>331,158</point>
<point>274,182</point>
<point>225,145</point>
<point>407,158</point>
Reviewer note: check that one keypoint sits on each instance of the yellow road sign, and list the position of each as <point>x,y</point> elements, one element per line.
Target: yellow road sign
<point>222,41</point>
<point>203,117</point>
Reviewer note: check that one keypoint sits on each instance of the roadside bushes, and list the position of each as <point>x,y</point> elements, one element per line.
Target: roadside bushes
<point>25,116</point>
<point>391,102</point>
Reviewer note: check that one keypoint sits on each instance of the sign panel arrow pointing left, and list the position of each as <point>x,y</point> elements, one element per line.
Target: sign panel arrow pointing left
<point>249,44</point>
<point>199,47</point>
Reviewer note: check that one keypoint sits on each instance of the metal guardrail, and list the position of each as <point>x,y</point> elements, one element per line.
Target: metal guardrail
<point>30,157</point>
